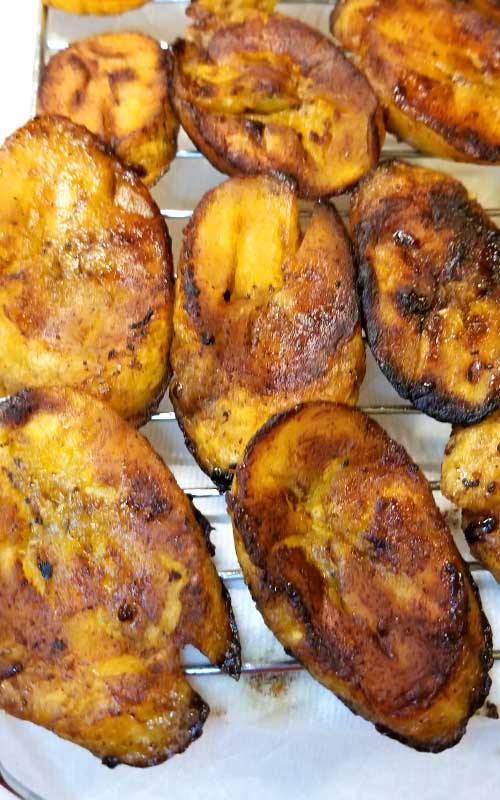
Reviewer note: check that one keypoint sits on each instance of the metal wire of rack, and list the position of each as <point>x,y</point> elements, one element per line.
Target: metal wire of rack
<point>46,49</point>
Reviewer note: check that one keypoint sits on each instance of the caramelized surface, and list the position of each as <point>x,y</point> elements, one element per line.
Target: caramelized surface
<point>95,6</point>
<point>86,284</point>
<point>434,65</point>
<point>115,84</point>
<point>271,94</point>
<point>470,478</point>
<point>429,261</point>
<point>264,317</point>
<point>105,575</point>
<point>354,570</point>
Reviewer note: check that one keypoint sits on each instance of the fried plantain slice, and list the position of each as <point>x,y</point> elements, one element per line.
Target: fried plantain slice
<point>101,7</point>
<point>354,570</point>
<point>115,84</point>
<point>270,93</point>
<point>264,317</point>
<point>470,478</point>
<point>86,279</point>
<point>105,576</point>
<point>434,66</point>
<point>429,260</point>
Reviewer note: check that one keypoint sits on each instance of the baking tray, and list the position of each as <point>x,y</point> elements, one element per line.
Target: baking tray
<point>277,732</point>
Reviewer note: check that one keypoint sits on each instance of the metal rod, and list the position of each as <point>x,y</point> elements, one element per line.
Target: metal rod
<point>235,575</point>
<point>249,667</point>
<point>169,416</point>
<point>39,58</point>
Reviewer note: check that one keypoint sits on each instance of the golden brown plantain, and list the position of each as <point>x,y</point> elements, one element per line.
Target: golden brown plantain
<point>353,568</point>
<point>95,6</point>
<point>435,68</point>
<point>115,84</point>
<point>269,93</point>
<point>202,11</point>
<point>470,478</point>
<point>105,576</point>
<point>264,317</point>
<point>86,286</point>
<point>429,271</point>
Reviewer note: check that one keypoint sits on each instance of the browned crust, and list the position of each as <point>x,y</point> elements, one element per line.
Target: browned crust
<point>317,58</point>
<point>250,524</point>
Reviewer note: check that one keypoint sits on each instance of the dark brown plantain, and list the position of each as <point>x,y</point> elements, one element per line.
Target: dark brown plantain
<point>429,271</point>
<point>470,478</point>
<point>353,568</point>
<point>105,576</point>
<point>264,317</point>
<point>435,67</point>
<point>269,94</point>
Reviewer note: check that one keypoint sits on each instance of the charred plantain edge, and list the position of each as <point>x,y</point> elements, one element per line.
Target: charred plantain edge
<point>428,399</point>
<point>193,734</point>
<point>231,663</point>
<point>222,479</point>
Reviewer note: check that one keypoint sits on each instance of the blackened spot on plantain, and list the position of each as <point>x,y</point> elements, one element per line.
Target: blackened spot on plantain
<point>142,324</point>
<point>11,671</point>
<point>471,484</point>
<point>46,569</point>
<point>404,239</point>
<point>191,292</point>
<point>202,710</point>
<point>222,479</point>
<point>491,487</point>
<point>204,524</point>
<point>456,587</point>
<point>476,531</point>
<point>111,761</point>
<point>111,355</point>
<point>15,411</point>
<point>379,544</point>
<point>254,129</point>
<point>174,576</point>
<point>455,258</point>
<point>492,253</point>
<point>231,662</point>
<point>146,497</point>
<point>413,303</point>
<point>207,339</point>
<point>58,645</point>
<point>126,612</point>
<point>474,371</point>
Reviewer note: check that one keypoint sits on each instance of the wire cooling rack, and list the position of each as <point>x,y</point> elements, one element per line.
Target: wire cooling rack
<point>165,20</point>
